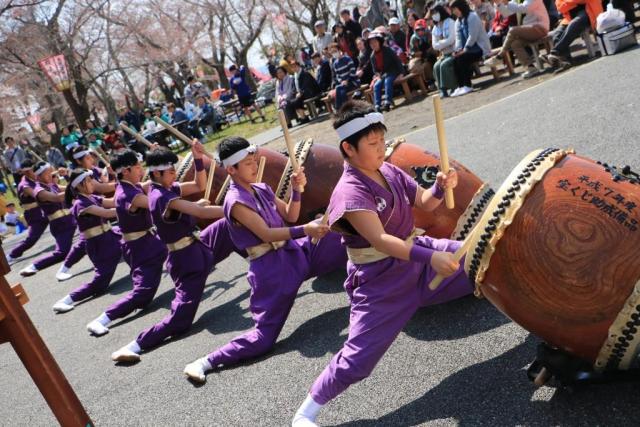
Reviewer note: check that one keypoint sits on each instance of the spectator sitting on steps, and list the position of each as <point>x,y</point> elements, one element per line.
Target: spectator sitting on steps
<point>535,26</point>
<point>472,44</point>
<point>386,69</point>
<point>577,16</point>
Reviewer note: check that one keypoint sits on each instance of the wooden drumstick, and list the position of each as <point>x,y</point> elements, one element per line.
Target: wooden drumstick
<point>136,135</point>
<point>263,161</point>
<point>457,256</point>
<point>34,154</point>
<point>212,172</point>
<point>444,154</point>
<point>101,157</point>
<point>290,145</point>
<point>543,376</point>
<point>180,135</point>
<point>325,221</point>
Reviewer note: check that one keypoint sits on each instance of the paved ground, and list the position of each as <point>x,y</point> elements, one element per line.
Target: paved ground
<point>458,364</point>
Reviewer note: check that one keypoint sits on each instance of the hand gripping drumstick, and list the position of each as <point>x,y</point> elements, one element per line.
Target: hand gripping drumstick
<point>184,138</point>
<point>212,172</point>
<point>290,145</point>
<point>325,221</point>
<point>457,256</point>
<point>263,161</point>
<point>136,135</point>
<point>444,155</point>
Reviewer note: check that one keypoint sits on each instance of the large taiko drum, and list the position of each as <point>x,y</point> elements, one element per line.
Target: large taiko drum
<point>557,251</point>
<point>323,166</point>
<point>471,195</point>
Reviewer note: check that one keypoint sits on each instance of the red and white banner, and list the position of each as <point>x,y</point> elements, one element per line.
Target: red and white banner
<point>55,68</point>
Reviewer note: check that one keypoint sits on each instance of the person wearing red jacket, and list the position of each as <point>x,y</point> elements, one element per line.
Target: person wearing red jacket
<point>499,29</point>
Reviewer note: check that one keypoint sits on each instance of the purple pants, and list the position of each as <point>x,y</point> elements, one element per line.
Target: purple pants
<point>145,256</point>
<point>78,251</point>
<point>63,234</point>
<point>217,238</point>
<point>189,268</point>
<point>33,235</point>
<point>275,279</point>
<point>384,295</point>
<point>105,253</point>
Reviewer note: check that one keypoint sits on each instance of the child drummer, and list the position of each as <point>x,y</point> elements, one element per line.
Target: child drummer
<point>142,249</point>
<point>189,260</point>
<point>281,258</point>
<point>389,268</point>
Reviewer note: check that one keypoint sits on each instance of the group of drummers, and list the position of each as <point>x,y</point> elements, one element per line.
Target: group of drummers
<point>370,231</point>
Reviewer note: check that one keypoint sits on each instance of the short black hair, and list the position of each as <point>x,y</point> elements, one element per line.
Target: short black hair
<point>345,11</point>
<point>78,149</point>
<point>284,70</point>
<point>316,55</point>
<point>352,110</point>
<point>190,79</point>
<point>9,138</point>
<point>161,156</point>
<point>38,165</point>
<point>123,159</point>
<point>462,6</point>
<point>26,163</point>
<point>230,146</point>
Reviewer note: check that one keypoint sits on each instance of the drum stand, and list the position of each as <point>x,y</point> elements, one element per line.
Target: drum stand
<point>557,368</point>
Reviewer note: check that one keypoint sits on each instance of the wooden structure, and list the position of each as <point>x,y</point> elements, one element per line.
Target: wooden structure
<point>16,328</point>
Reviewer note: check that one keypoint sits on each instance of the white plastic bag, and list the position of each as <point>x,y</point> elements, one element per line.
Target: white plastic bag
<point>609,19</point>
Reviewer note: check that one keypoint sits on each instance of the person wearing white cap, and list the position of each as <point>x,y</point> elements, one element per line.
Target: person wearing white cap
<point>396,32</point>
<point>322,39</point>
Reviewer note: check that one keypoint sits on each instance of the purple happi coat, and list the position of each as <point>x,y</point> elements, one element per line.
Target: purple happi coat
<point>384,294</point>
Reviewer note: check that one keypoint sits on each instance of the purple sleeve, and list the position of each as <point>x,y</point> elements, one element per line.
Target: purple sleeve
<point>349,197</point>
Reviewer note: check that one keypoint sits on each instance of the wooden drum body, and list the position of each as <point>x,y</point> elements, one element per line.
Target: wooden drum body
<point>557,251</point>
<point>471,195</point>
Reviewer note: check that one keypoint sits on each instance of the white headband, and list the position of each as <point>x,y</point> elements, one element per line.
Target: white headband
<point>161,167</point>
<point>80,178</point>
<point>238,156</point>
<point>120,169</point>
<point>356,125</point>
<point>81,154</point>
<point>42,168</point>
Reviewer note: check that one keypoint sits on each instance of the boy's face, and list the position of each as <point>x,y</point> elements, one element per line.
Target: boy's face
<point>11,209</point>
<point>133,174</point>
<point>370,152</point>
<point>165,177</point>
<point>246,170</point>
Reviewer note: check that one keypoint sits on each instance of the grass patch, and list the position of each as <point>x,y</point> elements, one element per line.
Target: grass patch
<point>245,128</point>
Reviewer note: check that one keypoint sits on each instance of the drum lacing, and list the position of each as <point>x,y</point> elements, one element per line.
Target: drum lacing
<point>500,211</point>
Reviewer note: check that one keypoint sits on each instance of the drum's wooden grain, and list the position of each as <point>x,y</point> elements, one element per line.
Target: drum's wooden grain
<point>568,262</point>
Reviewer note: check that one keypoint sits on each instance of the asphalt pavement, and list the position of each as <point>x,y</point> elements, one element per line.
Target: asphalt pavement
<point>462,363</point>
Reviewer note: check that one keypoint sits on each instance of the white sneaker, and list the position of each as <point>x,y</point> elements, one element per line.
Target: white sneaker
<point>29,270</point>
<point>63,274</point>
<point>455,93</point>
<point>96,328</point>
<point>195,371</point>
<point>465,90</point>
<point>125,355</point>
<point>61,307</point>
<point>494,61</point>
<point>10,260</point>
<point>300,420</point>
